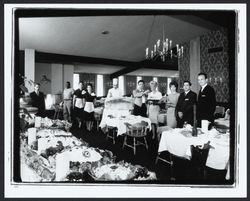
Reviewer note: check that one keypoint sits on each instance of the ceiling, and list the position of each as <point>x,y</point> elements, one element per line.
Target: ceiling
<point>107,69</point>
<point>127,39</point>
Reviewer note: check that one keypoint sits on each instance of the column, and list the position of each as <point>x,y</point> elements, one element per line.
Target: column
<point>68,74</point>
<point>99,85</point>
<point>194,63</point>
<point>121,84</point>
<point>29,67</point>
<point>57,79</point>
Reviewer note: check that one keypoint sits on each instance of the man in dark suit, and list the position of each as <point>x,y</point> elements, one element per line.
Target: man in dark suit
<point>37,98</point>
<point>206,100</point>
<point>185,104</point>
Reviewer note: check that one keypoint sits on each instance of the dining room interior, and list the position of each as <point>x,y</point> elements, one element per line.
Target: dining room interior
<point>99,97</point>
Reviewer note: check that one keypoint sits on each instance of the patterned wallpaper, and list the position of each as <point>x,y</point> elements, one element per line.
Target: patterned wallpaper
<point>216,64</point>
<point>163,84</point>
<point>130,82</point>
<point>147,80</point>
<point>183,66</point>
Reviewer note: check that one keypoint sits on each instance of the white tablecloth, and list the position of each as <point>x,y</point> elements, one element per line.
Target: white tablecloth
<point>114,113</point>
<point>131,119</point>
<point>180,145</point>
<point>98,110</point>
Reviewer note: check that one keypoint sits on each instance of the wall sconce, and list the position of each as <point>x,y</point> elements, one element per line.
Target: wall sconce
<point>218,80</point>
<point>215,81</point>
<point>131,84</point>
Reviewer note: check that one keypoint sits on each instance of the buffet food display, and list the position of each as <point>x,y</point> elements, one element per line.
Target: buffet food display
<point>124,103</point>
<point>55,155</point>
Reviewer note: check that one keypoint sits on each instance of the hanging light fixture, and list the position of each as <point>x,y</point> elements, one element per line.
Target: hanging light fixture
<point>164,50</point>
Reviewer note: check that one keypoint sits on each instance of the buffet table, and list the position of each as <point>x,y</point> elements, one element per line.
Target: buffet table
<point>178,142</point>
<point>50,153</point>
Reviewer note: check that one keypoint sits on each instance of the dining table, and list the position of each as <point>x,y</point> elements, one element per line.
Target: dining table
<point>120,122</point>
<point>178,142</point>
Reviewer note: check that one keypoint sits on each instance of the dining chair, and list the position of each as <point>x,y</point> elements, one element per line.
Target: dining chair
<point>136,132</point>
<point>199,159</point>
<point>58,111</point>
<point>219,111</point>
<point>111,133</point>
<point>168,161</point>
<point>169,157</point>
<point>98,118</point>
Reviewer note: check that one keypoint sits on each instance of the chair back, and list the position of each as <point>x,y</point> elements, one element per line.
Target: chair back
<point>199,155</point>
<point>219,112</point>
<point>137,129</point>
<point>227,114</point>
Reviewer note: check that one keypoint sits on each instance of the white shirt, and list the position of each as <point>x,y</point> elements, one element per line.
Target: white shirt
<point>202,88</point>
<point>68,93</point>
<point>114,93</point>
<point>186,92</point>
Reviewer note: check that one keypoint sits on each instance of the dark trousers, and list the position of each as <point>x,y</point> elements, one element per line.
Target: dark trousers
<point>180,122</point>
<point>142,111</point>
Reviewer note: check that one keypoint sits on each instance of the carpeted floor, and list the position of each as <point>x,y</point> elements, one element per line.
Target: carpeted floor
<point>183,171</point>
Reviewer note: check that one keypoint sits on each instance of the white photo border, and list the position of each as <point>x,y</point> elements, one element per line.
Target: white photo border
<point>128,191</point>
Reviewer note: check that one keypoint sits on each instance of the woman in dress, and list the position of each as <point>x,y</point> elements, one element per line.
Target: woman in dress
<point>153,106</point>
<point>89,100</point>
<point>78,104</point>
<point>171,102</point>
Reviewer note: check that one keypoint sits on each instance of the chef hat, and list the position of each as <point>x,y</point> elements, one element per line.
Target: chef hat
<point>115,81</point>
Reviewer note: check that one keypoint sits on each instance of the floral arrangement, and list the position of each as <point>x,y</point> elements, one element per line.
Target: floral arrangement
<point>59,124</point>
<point>43,167</point>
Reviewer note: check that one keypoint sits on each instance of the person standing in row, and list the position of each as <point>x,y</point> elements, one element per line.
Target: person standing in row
<point>206,100</point>
<point>140,96</point>
<point>68,93</point>
<point>114,92</point>
<point>171,101</point>
<point>153,106</point>
<point>89,100</point>
<point>78,104</point>
<point>185,104</point>
<point>37,100</point>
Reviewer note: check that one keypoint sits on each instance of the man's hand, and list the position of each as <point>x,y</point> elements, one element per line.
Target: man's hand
<point>180,114</point>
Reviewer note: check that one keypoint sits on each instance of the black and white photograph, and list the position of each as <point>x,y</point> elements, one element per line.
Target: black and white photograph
<point>135,97</point>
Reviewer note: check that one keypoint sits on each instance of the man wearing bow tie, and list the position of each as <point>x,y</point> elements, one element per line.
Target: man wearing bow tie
<point>184,107</point>
<point>140,96</point>
<point>37,98</point>
<point>206,100</point>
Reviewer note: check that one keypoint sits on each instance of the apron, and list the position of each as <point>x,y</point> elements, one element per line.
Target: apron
<point>89,107</point>
<point>79,103</point>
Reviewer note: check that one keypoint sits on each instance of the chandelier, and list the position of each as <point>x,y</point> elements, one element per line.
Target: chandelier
<point>163,49</point>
